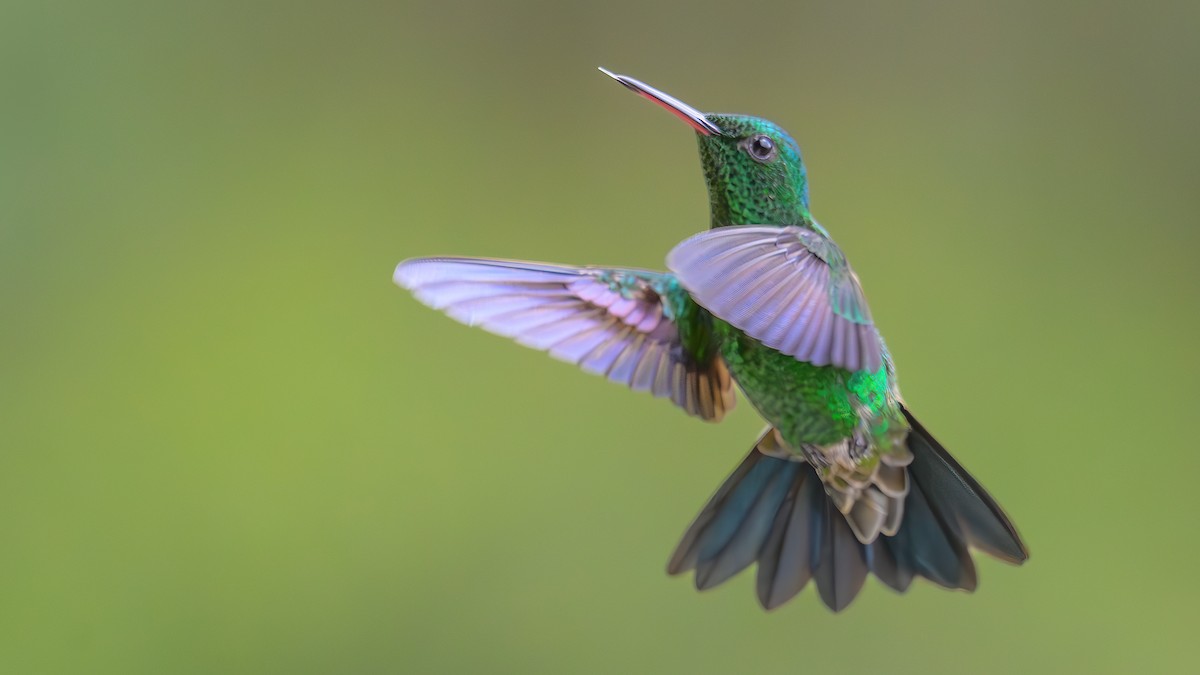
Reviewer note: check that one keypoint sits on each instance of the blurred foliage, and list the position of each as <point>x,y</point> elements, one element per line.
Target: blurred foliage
<point>230,444</point>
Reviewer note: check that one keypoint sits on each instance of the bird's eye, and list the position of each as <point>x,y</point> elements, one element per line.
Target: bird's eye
<point>760,147</point>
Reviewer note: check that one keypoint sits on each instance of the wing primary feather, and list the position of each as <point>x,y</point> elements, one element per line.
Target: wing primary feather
<point>802,331</point>
<point>739,274</point>
<point>647,370</point>
<point>626,363</point>
<point>607,321</point>
<point>601,359</point>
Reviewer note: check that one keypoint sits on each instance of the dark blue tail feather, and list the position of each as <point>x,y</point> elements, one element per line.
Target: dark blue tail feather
<point>775,512</point>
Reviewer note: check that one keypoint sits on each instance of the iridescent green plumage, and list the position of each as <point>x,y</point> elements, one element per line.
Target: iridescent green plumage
<point>808,404</point>
<point>744,192</point>
<point>844,481</point>
<point>811,405</point>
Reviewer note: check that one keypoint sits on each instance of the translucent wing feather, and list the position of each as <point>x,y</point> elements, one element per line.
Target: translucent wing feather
<point>613,322</point>
<point>788,287</point>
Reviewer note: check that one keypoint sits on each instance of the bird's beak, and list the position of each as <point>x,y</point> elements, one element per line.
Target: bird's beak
<point>683,111</point>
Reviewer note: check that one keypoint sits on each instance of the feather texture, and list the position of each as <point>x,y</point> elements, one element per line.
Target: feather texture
<point>927,547</point>
<point>611,322</point>
<point>775,510</point>
<point>789,287</point>
<point>967,509</point>
<point>842,571</point>
<point>792,551</point>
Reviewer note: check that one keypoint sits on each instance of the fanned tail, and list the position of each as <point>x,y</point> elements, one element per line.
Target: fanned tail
<point>776,512</point>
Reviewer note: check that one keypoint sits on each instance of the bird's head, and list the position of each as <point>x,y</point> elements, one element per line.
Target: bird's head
<point>753,167</point>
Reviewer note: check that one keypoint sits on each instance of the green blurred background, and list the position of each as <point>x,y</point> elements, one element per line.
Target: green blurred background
<point>230,444</point>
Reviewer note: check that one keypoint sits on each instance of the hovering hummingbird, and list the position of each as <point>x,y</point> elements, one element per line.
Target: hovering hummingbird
<point>844,481</point>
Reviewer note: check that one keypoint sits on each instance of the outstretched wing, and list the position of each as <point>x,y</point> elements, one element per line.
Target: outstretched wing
<point>788,287</point>
<point>623,324</point>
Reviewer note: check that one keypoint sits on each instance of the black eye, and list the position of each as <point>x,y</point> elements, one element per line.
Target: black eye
<point>760,147</point>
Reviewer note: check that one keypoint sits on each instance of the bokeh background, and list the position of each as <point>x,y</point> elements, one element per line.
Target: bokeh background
<point>230,444</point>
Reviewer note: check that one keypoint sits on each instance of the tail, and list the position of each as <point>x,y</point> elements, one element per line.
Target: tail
<point>776,512</point>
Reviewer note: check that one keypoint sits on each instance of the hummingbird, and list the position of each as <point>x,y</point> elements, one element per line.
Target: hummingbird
<point>844,482</point>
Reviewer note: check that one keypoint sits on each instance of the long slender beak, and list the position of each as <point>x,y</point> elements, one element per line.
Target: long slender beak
<point>683,111</point>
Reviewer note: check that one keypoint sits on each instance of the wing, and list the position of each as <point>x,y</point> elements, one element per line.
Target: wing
<point>788,287</point>
<point>623,324</point>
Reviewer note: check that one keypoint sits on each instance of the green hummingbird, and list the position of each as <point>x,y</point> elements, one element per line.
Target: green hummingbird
<point>844,481</point>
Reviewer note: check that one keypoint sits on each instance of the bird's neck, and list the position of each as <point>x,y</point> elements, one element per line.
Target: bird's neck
<point>769,208</point>
<point>778,199</point>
